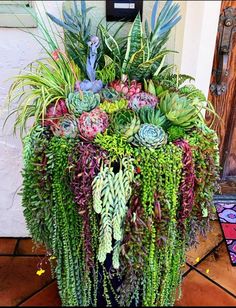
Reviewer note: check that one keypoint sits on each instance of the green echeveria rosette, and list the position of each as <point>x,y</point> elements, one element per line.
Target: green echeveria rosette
<point>150,136</point>
<point>126,123</point>
<point>78,102</point>
<point>67,127</point>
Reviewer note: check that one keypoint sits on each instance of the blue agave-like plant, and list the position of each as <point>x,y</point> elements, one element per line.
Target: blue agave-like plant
<point>92,84</point>
<point>150,136</point>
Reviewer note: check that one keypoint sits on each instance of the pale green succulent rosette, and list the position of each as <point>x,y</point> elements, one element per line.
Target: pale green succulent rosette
<point>150,136</point>
<point>78,102</point>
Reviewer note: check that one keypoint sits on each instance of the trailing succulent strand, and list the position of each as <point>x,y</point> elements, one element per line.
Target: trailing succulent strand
<point>111,192</point>
<point>37,189</point>
<point>66,225</point>
<point>188,181</point>
<point>204,143</point>
<point>86,161</point>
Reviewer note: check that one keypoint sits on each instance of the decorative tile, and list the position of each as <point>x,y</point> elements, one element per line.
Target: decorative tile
<point>199,291</point>
<point>47,297</point>
<point>27,247</point>
<point>7,245</point>
<point>18,279</point>
<point>218,267</point>
<point>206,244</point>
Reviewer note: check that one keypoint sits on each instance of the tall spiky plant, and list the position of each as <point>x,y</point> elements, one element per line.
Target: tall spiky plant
<point>145,51</point>
<point>77,29</point>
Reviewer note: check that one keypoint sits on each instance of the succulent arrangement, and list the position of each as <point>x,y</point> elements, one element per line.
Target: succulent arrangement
<point>119,167</point>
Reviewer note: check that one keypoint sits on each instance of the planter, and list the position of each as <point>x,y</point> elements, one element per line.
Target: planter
<point>119,171</point>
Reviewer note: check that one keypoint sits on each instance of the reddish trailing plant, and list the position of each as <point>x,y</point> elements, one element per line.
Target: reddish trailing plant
<point>188,180</point>
<point>87,159</point>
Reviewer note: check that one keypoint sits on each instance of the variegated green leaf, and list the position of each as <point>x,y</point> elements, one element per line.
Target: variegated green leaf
<point>110,42</point>
<point>135,41</point>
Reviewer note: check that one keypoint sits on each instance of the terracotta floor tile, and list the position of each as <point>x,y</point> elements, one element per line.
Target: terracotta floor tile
<point>220,268</point>
<point>48,297</point>
<point>18,279</point>
<point>27,247</point>
<point>206,244</point>
<point>198,291</point>
<point>7,246</point>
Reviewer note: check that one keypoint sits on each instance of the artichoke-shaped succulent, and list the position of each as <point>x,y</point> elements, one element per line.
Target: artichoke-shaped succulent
<point>180,110</point>
<point>78,102</point>
<point>137,101</point>
<point>110,107</point>
<point>110,95</point>
<point>54,112</point>
<point>150,136</point>
<point>93,122</point>
<point>125,122</point>
<point>67,127</point>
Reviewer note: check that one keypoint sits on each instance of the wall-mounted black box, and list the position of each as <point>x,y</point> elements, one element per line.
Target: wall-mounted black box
<point>124,10</point>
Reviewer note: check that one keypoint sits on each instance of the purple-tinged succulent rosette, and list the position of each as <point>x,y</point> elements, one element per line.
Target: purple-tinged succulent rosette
<point>139,100</point>
<point>92,123</point>
<point>66,127</point>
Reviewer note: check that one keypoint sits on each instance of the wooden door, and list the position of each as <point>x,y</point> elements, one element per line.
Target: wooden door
<point>222,94</point>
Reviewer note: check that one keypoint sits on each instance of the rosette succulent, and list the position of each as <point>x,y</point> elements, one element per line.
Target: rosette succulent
<point>92,123</point>
<point>150,136</point>
<point>67,127</point>
<point>54,112</point>
<point>150,115</point>
<point>126,123</point>
<point>110,95</point>
<point>180,110</point>
<point>142,99</point>
<point>78,102</point>
<point>126,88</point>
<point>111,107</point>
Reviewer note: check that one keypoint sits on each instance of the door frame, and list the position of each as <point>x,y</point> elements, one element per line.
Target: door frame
<point>196,45</point>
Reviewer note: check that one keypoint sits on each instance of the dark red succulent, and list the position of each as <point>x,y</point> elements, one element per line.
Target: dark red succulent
<point>87,159</point>
<point>188,180</point>
<point>54,112</point>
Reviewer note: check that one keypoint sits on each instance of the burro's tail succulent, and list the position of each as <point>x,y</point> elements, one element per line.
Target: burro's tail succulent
<point>150,136</point>
<point>78,102</point>
<point>126,123</point>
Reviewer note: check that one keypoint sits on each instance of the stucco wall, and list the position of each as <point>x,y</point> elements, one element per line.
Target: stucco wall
<point>17,50</point>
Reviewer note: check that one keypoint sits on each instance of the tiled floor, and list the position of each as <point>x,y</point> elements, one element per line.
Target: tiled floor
<point>209,280</point>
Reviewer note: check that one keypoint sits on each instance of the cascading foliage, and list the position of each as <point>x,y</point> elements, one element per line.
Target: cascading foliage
<point>119,166</point>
